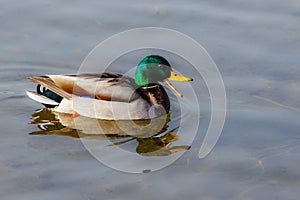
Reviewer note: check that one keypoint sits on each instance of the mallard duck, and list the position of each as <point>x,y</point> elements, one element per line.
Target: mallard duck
<point>110,96</point>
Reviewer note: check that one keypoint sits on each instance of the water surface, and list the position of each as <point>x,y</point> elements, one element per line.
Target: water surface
<point>256,46</point>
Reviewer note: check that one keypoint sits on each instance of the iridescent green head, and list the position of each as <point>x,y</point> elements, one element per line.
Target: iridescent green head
<point>154,69</point>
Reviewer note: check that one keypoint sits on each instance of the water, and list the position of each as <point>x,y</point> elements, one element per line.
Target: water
<point>256,46</point>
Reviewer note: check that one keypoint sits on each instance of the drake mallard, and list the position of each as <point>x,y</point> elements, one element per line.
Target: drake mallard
<point>110,96</point>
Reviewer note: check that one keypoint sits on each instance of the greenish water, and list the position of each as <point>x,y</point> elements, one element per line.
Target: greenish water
<point>256,46</point>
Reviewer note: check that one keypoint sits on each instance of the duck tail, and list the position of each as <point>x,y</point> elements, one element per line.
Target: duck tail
<point>51,88</point>
<point>47,102</point>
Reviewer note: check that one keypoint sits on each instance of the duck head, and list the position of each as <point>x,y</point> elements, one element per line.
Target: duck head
<point>154,69</point>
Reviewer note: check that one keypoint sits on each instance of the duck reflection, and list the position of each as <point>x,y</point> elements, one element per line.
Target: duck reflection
<point>153,136</point>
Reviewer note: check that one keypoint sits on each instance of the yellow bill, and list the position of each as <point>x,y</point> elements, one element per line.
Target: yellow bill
<point>176,77</point>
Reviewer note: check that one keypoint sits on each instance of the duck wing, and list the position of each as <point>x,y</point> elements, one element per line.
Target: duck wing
<point>104,86</point>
